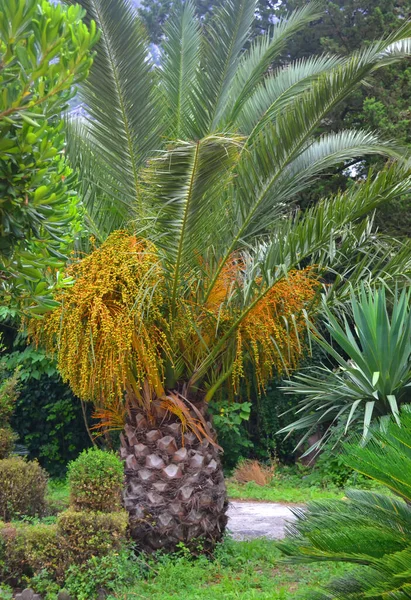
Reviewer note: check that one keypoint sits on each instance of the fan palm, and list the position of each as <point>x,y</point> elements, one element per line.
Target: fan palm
<point>374,379</point>
<point>198,158</point>
<point>368,528</point>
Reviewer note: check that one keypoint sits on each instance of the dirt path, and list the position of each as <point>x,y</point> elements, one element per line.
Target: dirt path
<point>247,520</point>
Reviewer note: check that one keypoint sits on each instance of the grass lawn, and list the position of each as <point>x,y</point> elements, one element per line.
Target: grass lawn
<point>280,492</point>
<point>241,571</point>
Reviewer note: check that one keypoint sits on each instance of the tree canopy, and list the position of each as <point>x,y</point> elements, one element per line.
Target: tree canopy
<point>45,51</point>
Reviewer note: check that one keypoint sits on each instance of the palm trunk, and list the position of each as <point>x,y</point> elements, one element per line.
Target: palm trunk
<point>175,491</point>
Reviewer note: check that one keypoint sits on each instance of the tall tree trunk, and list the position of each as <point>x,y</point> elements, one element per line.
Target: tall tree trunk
<point>175,490</point>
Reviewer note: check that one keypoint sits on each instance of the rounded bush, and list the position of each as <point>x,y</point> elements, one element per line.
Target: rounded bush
<point>22,488</point>
<point>84,534</point>
<point>96,480</point>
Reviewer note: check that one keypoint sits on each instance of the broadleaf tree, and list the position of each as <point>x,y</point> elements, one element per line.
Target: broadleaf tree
<point>45,51</point>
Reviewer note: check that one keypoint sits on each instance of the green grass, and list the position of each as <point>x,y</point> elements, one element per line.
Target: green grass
<point>241,571</point>
<point>281,492</point>
<point>57,496</point>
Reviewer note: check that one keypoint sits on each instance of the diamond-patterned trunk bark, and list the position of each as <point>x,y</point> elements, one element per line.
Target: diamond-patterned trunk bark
<point>175,490</point>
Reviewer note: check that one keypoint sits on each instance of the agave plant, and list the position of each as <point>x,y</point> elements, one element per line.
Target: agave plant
<point>373,377</point>
<point>198,158</point>
<point>367,528</point>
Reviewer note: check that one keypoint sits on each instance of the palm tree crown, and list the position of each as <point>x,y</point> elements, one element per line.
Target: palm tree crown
<point>201,156</point>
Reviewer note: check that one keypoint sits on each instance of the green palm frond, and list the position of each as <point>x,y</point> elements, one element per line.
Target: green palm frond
<point>312,234</point>
<point>97,184</point>
<point>123,116</point>
<point>185,188</point>
<point>224,40</point>
<point>281,188</point>
<point>368,528</point>
<point>275,91</point>
<point>180,70</point>
<point>256,61</point>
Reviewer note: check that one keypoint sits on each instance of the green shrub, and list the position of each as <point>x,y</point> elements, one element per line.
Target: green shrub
<point>95,481</point>
<point>12,557</point>
<point>22,488</point>
<point>32,549</point>
<point>108,572</point>
<point>45,551</point>
<point>7,440</point>
<point>29,550</point>
<point>88,533</point>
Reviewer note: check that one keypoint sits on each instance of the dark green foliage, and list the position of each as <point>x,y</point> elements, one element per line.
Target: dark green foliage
<point>249,429</point>
<point>9,393</point>
<point>50,423</point>
<point>368,528</point>
<point>267,418</point>
<point>44,52</point>
<point>229,420</point>
<point>88,533</point>
<point>96,480</point>
<point>47,417</point>
<point>22,488</point>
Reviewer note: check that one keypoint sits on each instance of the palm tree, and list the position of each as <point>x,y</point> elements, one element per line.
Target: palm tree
<point>369,530</point>
<point>197,159</point>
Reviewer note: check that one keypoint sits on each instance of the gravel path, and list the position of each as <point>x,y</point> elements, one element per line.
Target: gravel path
<point>247,520</point>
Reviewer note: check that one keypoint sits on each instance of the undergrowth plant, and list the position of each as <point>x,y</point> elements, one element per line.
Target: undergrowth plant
<point>367,528</point>
<point>371,346</point>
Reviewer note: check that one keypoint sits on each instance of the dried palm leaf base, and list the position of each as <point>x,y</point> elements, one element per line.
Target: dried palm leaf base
<point>175,490</point>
